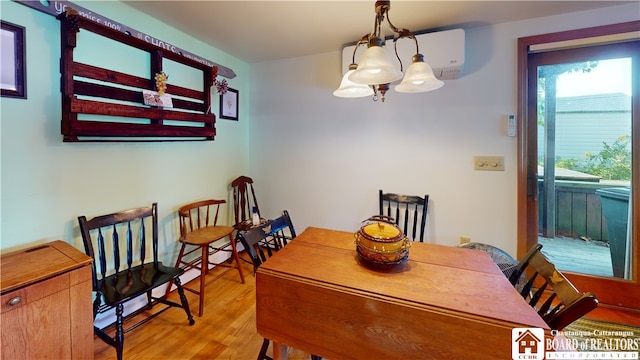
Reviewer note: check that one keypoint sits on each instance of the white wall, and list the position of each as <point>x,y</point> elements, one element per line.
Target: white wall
<point>324,158</point>
<point>47,184</point>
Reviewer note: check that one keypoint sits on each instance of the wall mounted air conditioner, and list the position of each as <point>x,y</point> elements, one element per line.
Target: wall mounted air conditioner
<point>443,50</point>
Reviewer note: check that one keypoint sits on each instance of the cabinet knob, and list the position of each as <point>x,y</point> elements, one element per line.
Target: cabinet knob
<point>15,301</point>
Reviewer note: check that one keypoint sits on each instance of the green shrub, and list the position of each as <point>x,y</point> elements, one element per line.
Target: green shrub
<point>613,162</point>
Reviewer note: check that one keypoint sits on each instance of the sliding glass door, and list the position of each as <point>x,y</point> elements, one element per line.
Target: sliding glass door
<point>583,110</point>
<point>579,169</point>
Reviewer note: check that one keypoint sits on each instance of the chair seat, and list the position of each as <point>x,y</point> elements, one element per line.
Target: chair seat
<point>247,224</point>
<point>206,235</point>
<point>127,285</point>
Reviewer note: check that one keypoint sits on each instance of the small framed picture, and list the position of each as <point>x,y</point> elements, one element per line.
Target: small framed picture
<point>229,105</point>
<point>13,71</point>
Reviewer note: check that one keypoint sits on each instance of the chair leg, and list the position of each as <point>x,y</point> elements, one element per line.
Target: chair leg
<point>183,300</point>
<point>119,338</point>
<point>263,350</point>
<point>96,305</point>
<point>178,262</point>
<point>149,300</point>
<point>204,269</point>
<point>234,249</point>
<point>265,346</point>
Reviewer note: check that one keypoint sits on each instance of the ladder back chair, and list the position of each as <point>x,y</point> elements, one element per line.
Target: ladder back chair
<point>244,201</point>
<point>409,212</point>
<point>126,266</point>
<point>261,243</point>
<point>565,304</point>
<point>200,232</point>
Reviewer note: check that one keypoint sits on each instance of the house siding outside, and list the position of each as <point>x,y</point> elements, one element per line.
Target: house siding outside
<point>583,123</point>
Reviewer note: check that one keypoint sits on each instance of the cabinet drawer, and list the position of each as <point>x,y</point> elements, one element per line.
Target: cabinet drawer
<point>21,297</point>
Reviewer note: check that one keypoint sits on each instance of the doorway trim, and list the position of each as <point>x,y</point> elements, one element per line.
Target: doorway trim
<point>610,291</point>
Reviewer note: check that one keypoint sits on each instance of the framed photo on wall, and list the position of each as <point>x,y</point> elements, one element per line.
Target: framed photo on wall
<point>13,71</point>
<point>229,105</point>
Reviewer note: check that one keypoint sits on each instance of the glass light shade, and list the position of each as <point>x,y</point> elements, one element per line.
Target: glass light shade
<point>419,78</point>
<point>375,67</point>
<point>349,89</point>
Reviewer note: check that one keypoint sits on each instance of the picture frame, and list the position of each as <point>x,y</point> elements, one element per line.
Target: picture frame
<point>13,73</point>
<point>229,104</point>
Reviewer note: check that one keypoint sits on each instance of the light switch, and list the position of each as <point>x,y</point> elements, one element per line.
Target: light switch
<point>489,163</point>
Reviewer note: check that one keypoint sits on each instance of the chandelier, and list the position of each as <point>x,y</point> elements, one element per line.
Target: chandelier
<point>376,71</point>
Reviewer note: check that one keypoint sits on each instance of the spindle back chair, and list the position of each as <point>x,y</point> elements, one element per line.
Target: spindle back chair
<point>409,212</point>
<point>124,246</point>
<point>564,303</point>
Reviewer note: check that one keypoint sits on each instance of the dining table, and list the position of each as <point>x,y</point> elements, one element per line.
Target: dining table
<point>444,302</point>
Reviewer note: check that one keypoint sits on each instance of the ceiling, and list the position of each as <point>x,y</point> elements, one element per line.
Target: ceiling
<point>256,31</point>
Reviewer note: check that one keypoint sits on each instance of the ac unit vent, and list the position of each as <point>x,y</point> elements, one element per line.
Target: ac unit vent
<point>443,50</point>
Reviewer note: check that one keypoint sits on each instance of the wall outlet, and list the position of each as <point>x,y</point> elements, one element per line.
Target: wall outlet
<point>464,240</point>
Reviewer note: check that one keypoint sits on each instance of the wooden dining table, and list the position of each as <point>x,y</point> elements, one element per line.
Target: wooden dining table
<point>315,295</point>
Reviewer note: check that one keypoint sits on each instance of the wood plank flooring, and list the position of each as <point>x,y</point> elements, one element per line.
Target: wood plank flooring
<point>227,329</point>
<point>578,256</point>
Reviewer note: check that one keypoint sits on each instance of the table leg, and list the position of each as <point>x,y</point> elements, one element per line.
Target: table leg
<point>280,351</point>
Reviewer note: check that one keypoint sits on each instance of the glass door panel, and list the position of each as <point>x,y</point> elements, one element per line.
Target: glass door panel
<point>584,113</point>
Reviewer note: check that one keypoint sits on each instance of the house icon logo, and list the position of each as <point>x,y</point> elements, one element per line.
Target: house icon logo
<point>527,344</point>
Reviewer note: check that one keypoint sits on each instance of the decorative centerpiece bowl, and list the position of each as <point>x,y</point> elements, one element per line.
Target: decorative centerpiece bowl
<point>381,244</point>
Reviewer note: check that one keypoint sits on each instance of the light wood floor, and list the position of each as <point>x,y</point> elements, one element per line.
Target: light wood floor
<point>227,329</point>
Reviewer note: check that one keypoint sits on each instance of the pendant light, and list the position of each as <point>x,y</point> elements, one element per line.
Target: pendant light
<point>419,77</point>
<point>376,69</point>
<point>349,89</point>
<point>375,66</point>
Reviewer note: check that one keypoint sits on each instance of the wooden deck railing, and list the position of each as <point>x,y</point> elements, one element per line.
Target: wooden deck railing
<point>578,210</point>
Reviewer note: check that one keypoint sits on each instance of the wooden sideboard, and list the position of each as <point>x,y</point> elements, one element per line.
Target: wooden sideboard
<point>46,303</point>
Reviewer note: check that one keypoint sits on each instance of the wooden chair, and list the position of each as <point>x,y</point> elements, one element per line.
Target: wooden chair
<point>244,201</point>
<point>261,243</point>
<point>119,245</point>
<point>565,304</point>
<point>407,210</point>
<point>199,231</point>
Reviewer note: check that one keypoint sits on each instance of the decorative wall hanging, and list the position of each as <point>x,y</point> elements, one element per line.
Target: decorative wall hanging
<point>13,74</point>
<point>100,104</point>
<point>229,104</point>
